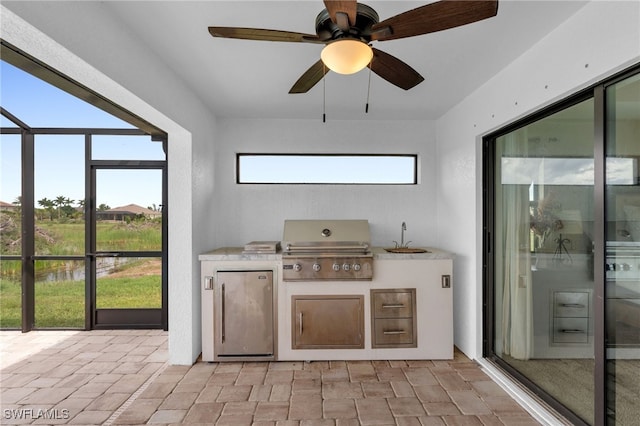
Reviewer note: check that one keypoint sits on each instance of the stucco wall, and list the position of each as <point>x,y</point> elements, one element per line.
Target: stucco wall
<point>599,40</point>
<point>256,212</point>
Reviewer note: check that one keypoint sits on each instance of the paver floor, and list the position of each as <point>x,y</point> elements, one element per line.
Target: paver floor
<point>121,377</point>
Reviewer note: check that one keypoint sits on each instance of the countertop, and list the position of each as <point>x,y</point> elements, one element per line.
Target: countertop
<point>236,254</point>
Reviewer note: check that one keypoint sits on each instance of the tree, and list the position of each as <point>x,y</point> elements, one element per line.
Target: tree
<point>59,202</point>
<point>48,205</point>
<point>103,207</point>
<point>67,208</point>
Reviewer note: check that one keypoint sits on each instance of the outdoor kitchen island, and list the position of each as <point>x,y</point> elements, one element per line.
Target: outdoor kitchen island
<point>405,311</point>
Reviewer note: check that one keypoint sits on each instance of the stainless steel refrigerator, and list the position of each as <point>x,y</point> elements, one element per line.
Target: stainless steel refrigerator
<point>244,321</point>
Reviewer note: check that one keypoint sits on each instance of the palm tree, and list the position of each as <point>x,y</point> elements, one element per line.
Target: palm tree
<point>48,205</point>
<point>81,208</point>
<point>59,202</point>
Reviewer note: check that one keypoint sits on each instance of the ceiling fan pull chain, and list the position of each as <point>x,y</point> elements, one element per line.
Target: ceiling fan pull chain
<point>324,93</point>
<point>366,108</point>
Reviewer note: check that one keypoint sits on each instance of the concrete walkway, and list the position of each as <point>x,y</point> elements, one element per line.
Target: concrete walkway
<point>121,377</point>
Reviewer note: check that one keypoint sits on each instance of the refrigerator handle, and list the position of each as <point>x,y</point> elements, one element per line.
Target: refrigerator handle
<point>223,314</point>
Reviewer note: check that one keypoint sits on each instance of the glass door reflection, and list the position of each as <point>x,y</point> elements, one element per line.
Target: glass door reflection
<point>622,268</point>
<point>543,272</point>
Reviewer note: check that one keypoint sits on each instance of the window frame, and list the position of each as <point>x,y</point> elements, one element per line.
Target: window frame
<point>239,156</point>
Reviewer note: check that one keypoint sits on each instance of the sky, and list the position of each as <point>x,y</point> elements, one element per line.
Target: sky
<point>566,171</point>
<point>59,159</point>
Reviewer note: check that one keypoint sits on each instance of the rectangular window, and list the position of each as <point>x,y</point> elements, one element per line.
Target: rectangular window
<point>355,169</point>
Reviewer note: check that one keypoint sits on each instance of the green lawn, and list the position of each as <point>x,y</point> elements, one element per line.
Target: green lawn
<point>61,303</point>
<point>68,238</point>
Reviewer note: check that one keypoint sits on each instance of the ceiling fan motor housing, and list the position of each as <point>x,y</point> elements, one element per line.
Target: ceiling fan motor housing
<point>328,30</point>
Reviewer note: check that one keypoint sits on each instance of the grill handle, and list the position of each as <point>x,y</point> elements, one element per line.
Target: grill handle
<point>326,248</point>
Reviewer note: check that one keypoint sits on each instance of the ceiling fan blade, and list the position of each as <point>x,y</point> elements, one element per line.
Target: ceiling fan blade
<point>434,17</point>
<point>338,9</point>
<point>309,79</point>
<point>263,35</point>
<point>394,70</point>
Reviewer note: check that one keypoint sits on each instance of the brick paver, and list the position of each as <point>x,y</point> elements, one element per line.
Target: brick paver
<point>121,377</point>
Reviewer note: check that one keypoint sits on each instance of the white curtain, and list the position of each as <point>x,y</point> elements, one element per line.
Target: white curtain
<point>516,298</point>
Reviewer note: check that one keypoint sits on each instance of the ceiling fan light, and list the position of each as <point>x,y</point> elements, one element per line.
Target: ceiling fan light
<point>346,56</point>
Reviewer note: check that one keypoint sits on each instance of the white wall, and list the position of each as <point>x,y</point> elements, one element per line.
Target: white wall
<point>245,213</point>
<point>80,38</point>
<point>599,40</point>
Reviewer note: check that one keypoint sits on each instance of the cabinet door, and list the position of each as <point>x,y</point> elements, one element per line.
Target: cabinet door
<point>244,313</point>
<point>328,322</point>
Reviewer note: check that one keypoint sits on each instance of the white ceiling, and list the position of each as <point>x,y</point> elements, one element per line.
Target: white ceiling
<point>244,78</point>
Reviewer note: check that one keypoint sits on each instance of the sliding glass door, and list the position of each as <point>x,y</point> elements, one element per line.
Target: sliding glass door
<point>543,293</point>
<point>622,235</point>
<point>126,245</point>
<point>562,281</point>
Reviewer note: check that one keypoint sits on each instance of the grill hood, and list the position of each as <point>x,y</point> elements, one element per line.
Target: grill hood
<point>326,236</point>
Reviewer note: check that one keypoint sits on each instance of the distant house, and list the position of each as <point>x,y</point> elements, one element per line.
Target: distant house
<point>129,211</point>
<point>8,206</point>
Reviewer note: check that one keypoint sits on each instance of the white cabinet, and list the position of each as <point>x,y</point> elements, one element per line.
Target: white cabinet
<point>570,317</point>
<point>424,325</point>
<point>421,329</point>
<point>562,299</point>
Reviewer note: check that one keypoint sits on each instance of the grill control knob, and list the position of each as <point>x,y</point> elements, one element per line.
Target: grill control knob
<point>356,267</point>
<point>297,267</point>
<point>335,267</point>
<point>346,267</point>
<point>316,267</point>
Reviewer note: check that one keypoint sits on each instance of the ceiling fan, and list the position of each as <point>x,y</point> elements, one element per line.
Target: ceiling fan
<point>347,28</point>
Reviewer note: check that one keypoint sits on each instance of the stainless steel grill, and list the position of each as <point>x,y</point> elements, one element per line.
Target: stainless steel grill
<point>325,250</point>
<point>622,269</point>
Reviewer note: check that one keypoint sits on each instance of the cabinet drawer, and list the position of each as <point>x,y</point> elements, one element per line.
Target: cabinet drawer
<point>393,333</point>
<point>393,304</point>
<point>571,330</point>
<point>571,304</point>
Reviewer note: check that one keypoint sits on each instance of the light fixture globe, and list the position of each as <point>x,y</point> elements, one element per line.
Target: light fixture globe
<point>346,56</point>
